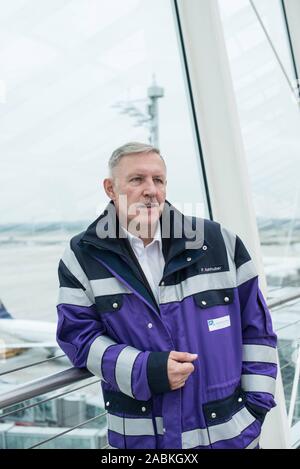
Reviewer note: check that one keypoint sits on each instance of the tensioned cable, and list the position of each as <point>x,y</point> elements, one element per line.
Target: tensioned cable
<point>292,88</point>
<point>287,325</point>
<point>31,364</point>
<point>46,400</point>
<point>285,346</point>
<point>288,364</point>
<point>67,431</point>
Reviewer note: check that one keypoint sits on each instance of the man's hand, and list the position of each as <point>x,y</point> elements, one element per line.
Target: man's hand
<point>180,368</point>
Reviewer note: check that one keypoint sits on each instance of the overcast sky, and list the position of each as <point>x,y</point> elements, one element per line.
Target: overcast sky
<point>65,63</point>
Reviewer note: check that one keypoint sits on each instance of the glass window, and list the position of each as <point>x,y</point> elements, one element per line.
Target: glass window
<point>270,121</point>
<point>75,79</point>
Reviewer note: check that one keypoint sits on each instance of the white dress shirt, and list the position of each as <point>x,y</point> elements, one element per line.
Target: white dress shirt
<point>150,258</point>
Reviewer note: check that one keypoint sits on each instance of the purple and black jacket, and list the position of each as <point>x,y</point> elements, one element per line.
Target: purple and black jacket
<point>210,304</point>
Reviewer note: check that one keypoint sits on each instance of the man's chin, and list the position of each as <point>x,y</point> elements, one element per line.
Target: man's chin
<point>153,217</point>
<point>144,227</point>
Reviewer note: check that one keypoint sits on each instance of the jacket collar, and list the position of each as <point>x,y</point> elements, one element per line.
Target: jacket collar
<point>180,232</point>
<point>137,242</point>
<point>177,232</point>
<point>103,233</point>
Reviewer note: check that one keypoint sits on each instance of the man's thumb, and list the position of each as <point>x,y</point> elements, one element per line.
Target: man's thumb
<point>183,356</point>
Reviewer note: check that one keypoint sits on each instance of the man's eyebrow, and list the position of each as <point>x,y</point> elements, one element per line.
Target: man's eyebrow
<point>143,175</point>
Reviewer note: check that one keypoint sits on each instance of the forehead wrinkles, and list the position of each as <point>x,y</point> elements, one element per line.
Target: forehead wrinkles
<point>142,162</point>
<point>130,166</point>
<point>125,175</point>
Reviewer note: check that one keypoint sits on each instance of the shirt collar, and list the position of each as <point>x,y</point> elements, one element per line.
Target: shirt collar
<point>138,242</point>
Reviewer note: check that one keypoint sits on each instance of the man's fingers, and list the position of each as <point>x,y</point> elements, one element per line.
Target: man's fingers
<point>183,356</point>
<point>187,368</point>
<point>178,385</point>
<point>182,370</point>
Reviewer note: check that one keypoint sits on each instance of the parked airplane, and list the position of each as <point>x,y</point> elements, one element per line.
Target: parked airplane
<point>26,333</point>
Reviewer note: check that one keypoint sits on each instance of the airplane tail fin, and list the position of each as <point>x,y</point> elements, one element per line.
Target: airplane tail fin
<point>4,314</point>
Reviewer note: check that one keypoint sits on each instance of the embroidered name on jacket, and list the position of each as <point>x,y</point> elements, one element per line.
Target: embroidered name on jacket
<point>211,269</point>
<point>218,323</point>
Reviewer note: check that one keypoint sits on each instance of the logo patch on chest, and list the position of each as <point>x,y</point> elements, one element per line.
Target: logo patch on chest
<point>218,323</point>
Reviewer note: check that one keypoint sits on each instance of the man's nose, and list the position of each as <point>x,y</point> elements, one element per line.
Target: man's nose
<point>150,188</point>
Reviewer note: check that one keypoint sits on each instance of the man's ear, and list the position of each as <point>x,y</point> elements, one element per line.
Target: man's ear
<point>109,188</point>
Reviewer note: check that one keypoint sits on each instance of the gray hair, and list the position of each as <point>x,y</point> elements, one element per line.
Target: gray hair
<point>129,149</point>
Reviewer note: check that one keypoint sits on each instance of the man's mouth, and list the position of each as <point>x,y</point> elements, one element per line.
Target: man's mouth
<point>148,205</point>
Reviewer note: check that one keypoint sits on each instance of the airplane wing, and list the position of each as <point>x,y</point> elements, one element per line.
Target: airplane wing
<point>20,334</point>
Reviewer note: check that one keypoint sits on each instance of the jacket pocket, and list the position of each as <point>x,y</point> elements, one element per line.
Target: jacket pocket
<point>118,402</point>
<point>109,303</point>
<point>230,424</point>
<point>218,322</point>
<point>209,298</point>
<point>130,421</point>
<point>258,412</point>
<point>222,410</point>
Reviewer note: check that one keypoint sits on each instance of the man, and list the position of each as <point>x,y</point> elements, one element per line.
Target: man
<point>175,325</point>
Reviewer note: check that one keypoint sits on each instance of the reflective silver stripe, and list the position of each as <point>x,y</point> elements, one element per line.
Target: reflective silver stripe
<point>259,353</point>
<point>196,284</point>
<point>130,427</point>
<point>124,366</point>
<point>230,240</point>
<point>71,262</point>
<point>223,431</point>
<point>258,383</point>
<point>96,352</point>
<point>108,286</point>
<point>159,425</point>
<point>253,443</point>
<point>194,438</point>
<point>232,428</point>
<point>245,272</point>
<point>73,296</point>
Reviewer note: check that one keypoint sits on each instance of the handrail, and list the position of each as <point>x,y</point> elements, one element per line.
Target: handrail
<point>20,368</point>
<point>283,299</point>
<point>69,430</point>
<point>72,375</point>
<point>47,399</point>
<point>43,385</point>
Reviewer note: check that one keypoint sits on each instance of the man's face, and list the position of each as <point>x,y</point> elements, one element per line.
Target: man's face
<point>138,189</point>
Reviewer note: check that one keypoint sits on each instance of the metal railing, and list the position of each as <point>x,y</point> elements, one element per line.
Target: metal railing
<point>47,385</point>
<point>43,385</point>
<point>65,432</point>
<point>40,362</point>
<point>29,406</point>
<point>283,299</point>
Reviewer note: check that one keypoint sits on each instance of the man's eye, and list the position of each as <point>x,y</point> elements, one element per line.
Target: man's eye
<point>137,179</point>
<point>158,180</point>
